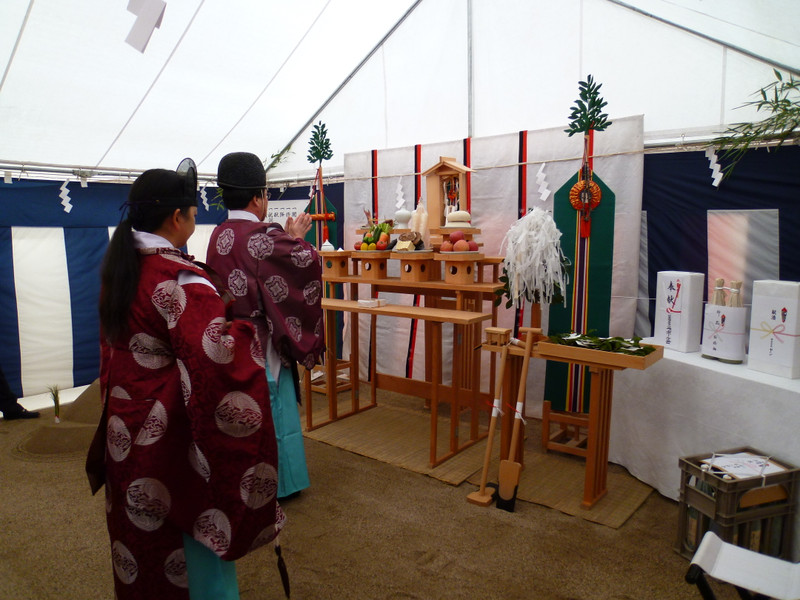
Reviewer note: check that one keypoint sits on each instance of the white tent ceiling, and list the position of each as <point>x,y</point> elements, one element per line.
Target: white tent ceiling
<point>225,75</point>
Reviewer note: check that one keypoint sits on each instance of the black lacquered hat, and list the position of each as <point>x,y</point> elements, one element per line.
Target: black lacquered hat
<point>241,171</point>
<point>163,187</point>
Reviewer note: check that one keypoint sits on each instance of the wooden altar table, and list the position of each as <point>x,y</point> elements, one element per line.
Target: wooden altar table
<point>433,317</point>
<point>601,367</point>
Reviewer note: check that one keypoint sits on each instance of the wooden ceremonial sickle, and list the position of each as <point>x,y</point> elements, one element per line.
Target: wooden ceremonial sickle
<point>508,477</point>
<point>481,498</point>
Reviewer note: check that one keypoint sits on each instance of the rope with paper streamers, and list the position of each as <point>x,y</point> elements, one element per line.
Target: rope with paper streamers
<point>534,263</point>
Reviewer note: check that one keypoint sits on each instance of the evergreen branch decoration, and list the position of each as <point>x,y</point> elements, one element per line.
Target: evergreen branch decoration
<point>587,112</point>
<point>606,344</point>
<point>319,145</point>
<point>782,99</point>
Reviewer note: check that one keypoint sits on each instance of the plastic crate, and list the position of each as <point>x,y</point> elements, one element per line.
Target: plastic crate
<point>755,512</point>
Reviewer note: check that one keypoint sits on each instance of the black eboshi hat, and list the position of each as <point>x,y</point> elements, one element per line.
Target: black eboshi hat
<point>241,171</point>
<point>163,187</point>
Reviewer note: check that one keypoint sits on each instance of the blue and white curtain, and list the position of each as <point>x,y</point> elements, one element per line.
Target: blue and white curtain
<point>52,240</point>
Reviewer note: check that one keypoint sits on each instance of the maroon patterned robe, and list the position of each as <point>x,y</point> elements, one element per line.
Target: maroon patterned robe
<point>191,444</point>
<point>276,281</point>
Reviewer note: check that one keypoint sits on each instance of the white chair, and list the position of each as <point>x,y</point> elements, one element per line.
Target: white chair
<point>755,575</point>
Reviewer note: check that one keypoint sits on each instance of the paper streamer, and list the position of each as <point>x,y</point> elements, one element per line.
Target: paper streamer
<point>541,180</point>
<point>716,172</point>
<point>148,17</point>
<point>66,201</point>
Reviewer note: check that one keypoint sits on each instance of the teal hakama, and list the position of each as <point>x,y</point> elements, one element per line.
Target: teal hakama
<point>292,469</point>
<point>210,577</point>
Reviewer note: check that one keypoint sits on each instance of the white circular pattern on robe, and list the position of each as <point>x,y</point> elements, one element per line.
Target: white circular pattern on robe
<point>118,439</point>
<point>213,529</point>
<point>259,485</point>
<point>225,241</point>
<point>218,346</point>
<point>186,382</point>
<point>257,353</point>
<point>237,283</point>
<point>238,415</point>
<point>175,569</point>
<point>124,563</point>
<point>260,246</point>
<point>119,392</point>
<point>199,462</point>
<point>154,426</point>
<point>147,503</point>
<point>169,300</point>
<point>301,256</point>
<point>295,327</point>
<point>276,288</point>
<point>176,307</point>
<point>311,292</point>
<point>149,352</point>
<point>318,327</point>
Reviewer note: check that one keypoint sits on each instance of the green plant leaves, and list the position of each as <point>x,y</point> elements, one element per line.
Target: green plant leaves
<point>781,99</point>
<point>319,144</point>
<point>587,113</point>
<point>607,344</point>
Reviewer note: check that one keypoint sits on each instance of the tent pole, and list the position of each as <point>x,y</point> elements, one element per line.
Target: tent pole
<point>470,84</point>
<point>739,49</point>
<point>350,76</point>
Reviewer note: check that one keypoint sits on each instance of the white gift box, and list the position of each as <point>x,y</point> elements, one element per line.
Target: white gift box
<point>724,332</point>
<point>775,328</point>
<point>679,310</point>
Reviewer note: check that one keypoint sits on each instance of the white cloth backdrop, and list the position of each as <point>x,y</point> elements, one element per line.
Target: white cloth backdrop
<point>494,208</point>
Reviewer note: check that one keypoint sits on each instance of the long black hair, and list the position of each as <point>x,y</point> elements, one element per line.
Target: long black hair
<point>153,198</point>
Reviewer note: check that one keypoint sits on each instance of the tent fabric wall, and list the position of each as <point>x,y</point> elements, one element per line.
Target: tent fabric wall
<point>50,274</point>
<point>679,201</point>
<point>221,75</point>
<point>50,278</point>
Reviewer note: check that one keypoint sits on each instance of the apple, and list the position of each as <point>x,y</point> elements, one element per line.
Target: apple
<point>382,244</point>
<point>446,246</point>
<point>473,245</point>
<point>456,235</point>
<point>461,246</point>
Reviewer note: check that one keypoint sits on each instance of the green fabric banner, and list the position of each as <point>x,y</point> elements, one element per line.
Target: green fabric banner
<point>588,293</point>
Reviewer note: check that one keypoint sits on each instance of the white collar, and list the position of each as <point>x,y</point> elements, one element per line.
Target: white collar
<point>245,215</point>
<point>143,239</point>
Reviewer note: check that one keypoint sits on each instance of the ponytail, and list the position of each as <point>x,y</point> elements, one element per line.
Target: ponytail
<point>119,277</point>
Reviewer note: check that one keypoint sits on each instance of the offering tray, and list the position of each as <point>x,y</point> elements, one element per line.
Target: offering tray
<point>601,358</point>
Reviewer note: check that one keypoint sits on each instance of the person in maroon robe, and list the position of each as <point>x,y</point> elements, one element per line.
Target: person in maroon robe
<point>275,277</point>
<point>190,455</point>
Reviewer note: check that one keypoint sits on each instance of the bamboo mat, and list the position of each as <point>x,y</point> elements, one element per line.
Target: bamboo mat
<point>400,437</point>
<point>397,431</point>
<point>556,481</point>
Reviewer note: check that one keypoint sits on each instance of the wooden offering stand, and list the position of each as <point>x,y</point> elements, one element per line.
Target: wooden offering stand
<point>416,266</point>
<point>456,306</point>
<point>598,422</point>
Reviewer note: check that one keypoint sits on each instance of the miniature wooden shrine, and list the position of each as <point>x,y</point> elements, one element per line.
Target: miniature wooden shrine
<point>444,183</point>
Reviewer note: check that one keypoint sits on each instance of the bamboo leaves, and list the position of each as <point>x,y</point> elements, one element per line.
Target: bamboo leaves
<point>782,99</point>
